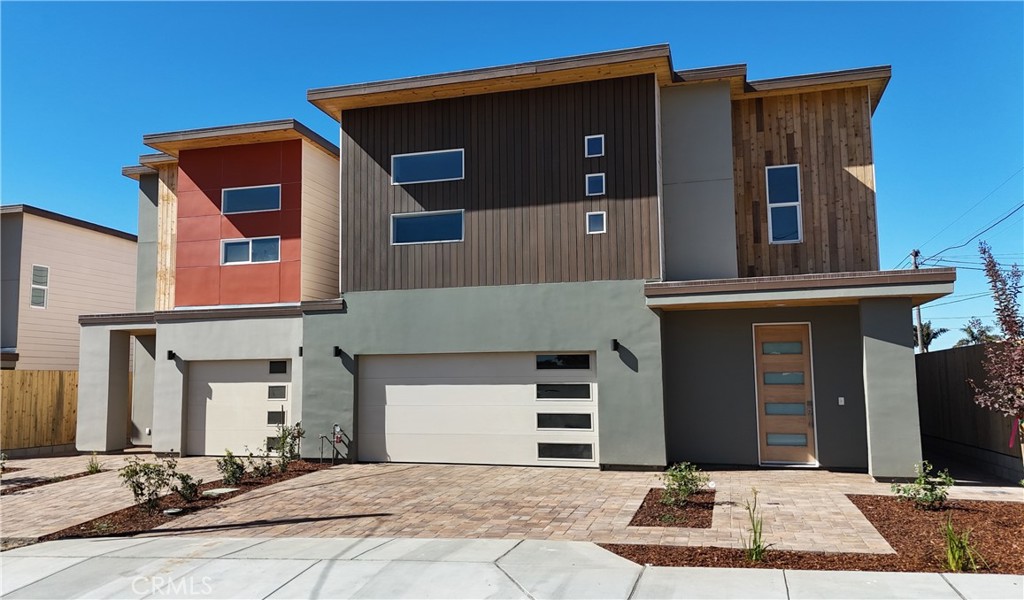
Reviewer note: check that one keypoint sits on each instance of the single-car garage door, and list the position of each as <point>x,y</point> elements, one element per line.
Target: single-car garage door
<point>236,404</point>
<point>508,408</point>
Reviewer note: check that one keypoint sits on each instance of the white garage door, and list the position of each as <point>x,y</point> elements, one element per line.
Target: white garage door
<point>234,404</point>
<point>509,409</point>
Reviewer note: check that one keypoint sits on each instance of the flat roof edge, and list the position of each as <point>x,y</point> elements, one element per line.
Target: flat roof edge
<point>166,140</point>
<point>53,216</point>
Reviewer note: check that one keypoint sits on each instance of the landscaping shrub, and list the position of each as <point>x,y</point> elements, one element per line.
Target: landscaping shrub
<point>95,466</point>
<point>231,469</point>
<point>145,480</point>
<point>754,547</point>
<point>959,551</point>
<point>287,444</point>
<point>681,481</point>
<point>186,486</point>
<point>260,465</point>
<point>3,461</point>
<point>927,491</point>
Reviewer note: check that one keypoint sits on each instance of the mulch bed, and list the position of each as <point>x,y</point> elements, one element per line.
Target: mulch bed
<point>38,481</point>
<point>11,469</point>
<point>997,534</point>
<point>695,513</point>
<point>134,519</point>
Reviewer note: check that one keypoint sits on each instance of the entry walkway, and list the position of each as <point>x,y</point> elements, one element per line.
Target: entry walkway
<point>421,568</point>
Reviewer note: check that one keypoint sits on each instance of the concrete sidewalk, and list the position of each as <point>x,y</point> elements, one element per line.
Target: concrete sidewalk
<point>427,568</point>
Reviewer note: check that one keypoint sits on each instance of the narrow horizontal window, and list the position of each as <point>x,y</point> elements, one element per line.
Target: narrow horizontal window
<point>595,184</point>
<point>250,199</point>
<point>566,391</point>
<point>596,222</point>
<point>277,392</point>
<point>784,378</point>
<point>427,227</point>
<point>566,451</point>
<point>256,250</point>
<point>40,286</point>
<point>787,439</point>
<point>784,408</point>
<point>563,361</point>
<point>564,421</point>
<point>782,348</point>
<point>427,167</point>
<point>784,218</point>
<point>593,146</point>
<point>278,366</point>
<point>275,417</point>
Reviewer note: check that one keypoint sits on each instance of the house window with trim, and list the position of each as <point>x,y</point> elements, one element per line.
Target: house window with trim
<point>40,286</point>
<point>785,222</point>
<point>249,251</point>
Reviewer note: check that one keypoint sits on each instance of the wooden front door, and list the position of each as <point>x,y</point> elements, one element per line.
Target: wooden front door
<point>785,399</point>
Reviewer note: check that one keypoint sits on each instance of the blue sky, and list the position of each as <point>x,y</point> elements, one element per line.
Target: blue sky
<point>81,83</point>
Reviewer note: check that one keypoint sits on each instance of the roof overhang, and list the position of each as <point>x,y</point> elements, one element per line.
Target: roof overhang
<point>876,79</point>
<point>173,142</point>
<point>655,59</point>
<point>149,164</point>
<point>920,286</point>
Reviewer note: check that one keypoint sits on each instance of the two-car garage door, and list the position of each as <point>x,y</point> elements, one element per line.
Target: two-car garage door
<point>508,408</point>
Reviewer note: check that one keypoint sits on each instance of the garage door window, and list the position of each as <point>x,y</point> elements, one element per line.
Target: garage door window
<point>564,421</point>
<point>278,366</point>
<point>565,451</point>
<point>563,391</point>
<point>564,361</point>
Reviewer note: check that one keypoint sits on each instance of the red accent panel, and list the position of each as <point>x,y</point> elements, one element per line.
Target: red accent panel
<point>291,249</point>
<point>197,203</point>
<point>193,229</point>
<point>250,284</point>
<point>291,196</point>
<point>198,254</point>
<point>291,280</point>
<point>285,223</point>
<point>201,170</point>
<point>197,286</point>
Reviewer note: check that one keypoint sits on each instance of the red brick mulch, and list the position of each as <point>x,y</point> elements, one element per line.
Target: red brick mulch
<point>695,513</point>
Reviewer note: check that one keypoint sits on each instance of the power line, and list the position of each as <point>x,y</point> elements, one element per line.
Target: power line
<point>975,205</point>
<point>980,233</point>
<point>974,297</point>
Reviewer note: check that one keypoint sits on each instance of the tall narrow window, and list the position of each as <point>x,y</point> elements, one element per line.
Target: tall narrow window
<point>40,286</point>
<point>784,218</point>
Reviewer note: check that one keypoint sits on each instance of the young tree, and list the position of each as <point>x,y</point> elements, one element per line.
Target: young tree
<point>1003,388</point>
<point>976,332</point>
<point>929,334</point>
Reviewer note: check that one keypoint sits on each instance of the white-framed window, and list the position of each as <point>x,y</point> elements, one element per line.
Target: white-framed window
<point>785,221</point>
<point>246,251</point>
<point>255,198</point>
<point>428,167</point>
<point>595,184</point>
<point>597,222</point>
<point>40,286</point>
<point>433,227</point>
<point>593,146</point>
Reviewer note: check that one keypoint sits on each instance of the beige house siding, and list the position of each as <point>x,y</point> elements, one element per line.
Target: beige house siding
<point>320,215</point>
<point>90,272</point>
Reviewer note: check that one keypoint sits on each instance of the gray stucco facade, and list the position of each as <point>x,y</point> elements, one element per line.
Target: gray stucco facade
<point>522,318</point>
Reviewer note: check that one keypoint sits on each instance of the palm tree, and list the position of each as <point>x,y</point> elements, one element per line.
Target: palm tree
<point>929,334</point>
<point>976,332</point>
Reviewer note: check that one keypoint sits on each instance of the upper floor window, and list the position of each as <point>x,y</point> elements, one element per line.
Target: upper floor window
<point>595,184</point>
<point>40,286</point>
<point>427,167</point>
<point>784,218</point>
<point>427,227</point>
<point>596,222</point>
<point>258,198</point>
<point>593,146</point>
<point>247,251</point>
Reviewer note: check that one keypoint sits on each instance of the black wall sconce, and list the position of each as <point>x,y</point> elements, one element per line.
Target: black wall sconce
<point>300,350</point>
<point>337,352</point>
<point>615,344</point>
<point>171,355</point>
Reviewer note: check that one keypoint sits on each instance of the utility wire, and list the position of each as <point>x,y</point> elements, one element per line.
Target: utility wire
<point>980,233</point>
<point>975,205</point>
<point>975,297</point>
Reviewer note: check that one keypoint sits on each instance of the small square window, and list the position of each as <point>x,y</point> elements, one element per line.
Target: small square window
<point>593,146</point>
<point>596,222</point>
<point>275,417</point>
<point>278,366</point>
<point>595,184</point>
<point>277,392</point>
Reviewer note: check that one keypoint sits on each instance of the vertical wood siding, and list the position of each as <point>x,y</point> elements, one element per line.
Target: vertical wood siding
<point>40,408</point>
<point>829,135</point>
<point>166,237</point>
<point>523,192</point>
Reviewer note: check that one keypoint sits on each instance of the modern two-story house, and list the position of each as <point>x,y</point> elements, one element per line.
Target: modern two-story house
<point>594,261</point>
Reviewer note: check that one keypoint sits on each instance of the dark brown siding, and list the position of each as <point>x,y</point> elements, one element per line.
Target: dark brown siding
<point>829,135</point>
<point>523,193</point>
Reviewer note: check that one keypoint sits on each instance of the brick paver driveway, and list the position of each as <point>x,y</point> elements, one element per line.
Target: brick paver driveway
<point>803,509</point>
<point>38,511</point>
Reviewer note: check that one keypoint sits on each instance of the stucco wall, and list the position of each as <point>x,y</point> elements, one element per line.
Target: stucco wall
<point>710,409</point>
<point>10,278</point>
<point>525,318</point>
<point>145,267</point>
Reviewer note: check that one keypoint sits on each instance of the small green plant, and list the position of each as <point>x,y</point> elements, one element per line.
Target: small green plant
<point>3,463</point>
<point>94,466</point>
<point>260,465</point>
<point>754,547</point>
<point>145,481</point>
<point>682,481</point>
<point>927,491</point>
<point>287,444</point>
<point>960,553</point>
<point>231,469</point>
<point>186,486</point>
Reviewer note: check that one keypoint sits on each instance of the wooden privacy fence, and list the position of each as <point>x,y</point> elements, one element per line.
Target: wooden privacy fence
<point>38,408</point>
<point>946,401</point>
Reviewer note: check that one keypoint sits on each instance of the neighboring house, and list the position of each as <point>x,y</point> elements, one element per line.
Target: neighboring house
<point>54,269</point>
<point>589,261</point>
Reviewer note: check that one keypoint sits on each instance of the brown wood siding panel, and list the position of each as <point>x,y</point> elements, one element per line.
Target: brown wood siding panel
<point>829,135</point>
<point>524,192</point>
